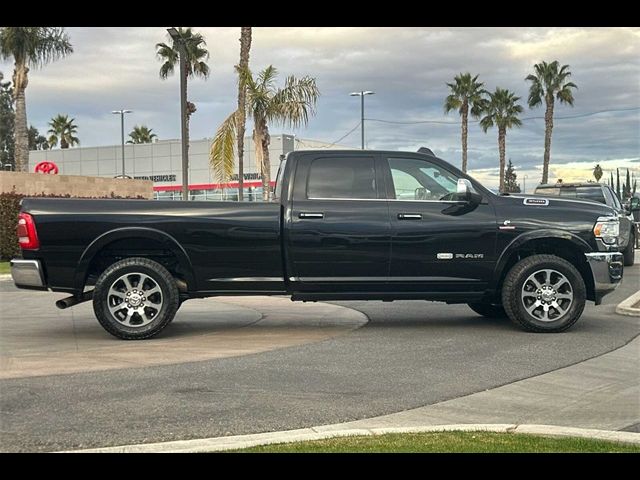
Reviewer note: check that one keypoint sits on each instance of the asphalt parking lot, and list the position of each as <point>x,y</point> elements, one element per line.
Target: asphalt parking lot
<point>408,355</point>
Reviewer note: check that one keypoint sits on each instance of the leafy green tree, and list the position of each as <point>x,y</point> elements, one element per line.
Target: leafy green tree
<point>548,84</point>
<point>7,124</point>
<point>245,47</point>
<point>597,172</point>
<point>37,141</point>
<point>467,96</point>
<point>29,47</point>
<point>63,130</point>
<point>511,184</point>
<point>196,55</point>
<point>618,183</point>
<point>502,111</point>
<point>291,105</point>
<point>142,134</point>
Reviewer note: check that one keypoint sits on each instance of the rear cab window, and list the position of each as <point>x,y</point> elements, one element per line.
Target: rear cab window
<point>342,178</point>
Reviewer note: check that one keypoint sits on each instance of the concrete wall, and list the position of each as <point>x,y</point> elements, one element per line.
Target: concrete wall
<point>74,185</point>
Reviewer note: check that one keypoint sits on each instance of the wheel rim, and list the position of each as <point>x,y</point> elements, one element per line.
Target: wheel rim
<point>134,299</point>
<point>547,295</point>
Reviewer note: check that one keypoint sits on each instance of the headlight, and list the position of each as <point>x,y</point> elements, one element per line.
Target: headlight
<point>607,229</point>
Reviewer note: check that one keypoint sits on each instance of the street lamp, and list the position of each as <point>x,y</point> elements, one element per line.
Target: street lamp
<point>121,113</point>
<point>179,42</point>
<point>361,95</point>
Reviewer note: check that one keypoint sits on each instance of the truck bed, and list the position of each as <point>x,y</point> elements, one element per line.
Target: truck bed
<point>232,246</point>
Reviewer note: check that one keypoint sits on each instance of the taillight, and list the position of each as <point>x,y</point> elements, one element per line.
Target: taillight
<point>27,235</point>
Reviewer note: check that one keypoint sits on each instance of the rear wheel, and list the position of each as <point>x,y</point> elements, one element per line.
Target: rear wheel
<point>628,253</point>
<point>135,298</point>
<point>489,310</point>
<point>544,293</point>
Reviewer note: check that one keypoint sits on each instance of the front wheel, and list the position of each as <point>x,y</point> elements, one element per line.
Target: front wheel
<point>544,293</point>
<point>135,298</point>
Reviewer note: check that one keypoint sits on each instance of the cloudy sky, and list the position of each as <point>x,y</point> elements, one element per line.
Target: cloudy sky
<point>114,68</point>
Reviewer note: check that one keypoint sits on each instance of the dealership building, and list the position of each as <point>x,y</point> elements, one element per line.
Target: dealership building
<point>161,162</point>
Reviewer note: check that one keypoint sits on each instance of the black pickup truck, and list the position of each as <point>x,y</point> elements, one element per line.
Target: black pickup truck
<point>343,225</point>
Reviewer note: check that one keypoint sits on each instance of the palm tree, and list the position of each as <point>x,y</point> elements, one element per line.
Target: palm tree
<point>291,105</point>
<point>245,47</point>
<point>195,55</point>
<point>36,140</point>
<point>467,96</point>
<point>502,111</point>
<point>29,47</point>
<point>63,130</point>
<point>549,83</point>
<point>142,134</point>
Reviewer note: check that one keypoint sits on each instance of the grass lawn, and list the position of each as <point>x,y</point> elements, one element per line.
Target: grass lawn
<point>454,442</point>
<point>4,267</point>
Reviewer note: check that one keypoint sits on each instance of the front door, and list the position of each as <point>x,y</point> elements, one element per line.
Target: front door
<point>339,224</point>
<point>439,244</point>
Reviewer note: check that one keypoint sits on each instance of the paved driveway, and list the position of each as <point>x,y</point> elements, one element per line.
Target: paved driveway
<point>409,355</point>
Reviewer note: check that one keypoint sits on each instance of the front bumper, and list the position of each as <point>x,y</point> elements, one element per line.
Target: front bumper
<point>607,270</point>
<point>27,274</point>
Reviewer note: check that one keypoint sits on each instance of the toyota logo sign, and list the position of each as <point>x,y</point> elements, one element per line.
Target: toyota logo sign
<point>47,167</point>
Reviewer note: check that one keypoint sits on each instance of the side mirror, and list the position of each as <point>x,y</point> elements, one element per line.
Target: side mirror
<point>466,193</point>
<point>420,193</point>
<point>634,204</point>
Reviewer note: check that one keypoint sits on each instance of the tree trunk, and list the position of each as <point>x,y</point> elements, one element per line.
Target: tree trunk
<point>502,134</point>
<point>266,164</point>
<point>465,132</point>
<point>63,142</point>
<point>548,127</point>
<point>20,82</point>
<point>245,46</point>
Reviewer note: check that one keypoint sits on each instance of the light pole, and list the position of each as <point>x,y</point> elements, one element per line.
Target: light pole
<point>121,113</point>
<point>361,95</point>
<point>173,33</point>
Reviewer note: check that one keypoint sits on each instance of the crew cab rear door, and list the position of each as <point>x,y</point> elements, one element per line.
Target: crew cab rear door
<point>438,244</point>
<point>338,228</point>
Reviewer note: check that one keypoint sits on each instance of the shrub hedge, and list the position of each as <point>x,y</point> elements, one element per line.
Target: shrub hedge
<point>9,209</point>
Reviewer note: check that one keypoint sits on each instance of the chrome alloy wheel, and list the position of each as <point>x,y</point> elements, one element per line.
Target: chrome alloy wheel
<point>134,299</point>
<point>547,295</point>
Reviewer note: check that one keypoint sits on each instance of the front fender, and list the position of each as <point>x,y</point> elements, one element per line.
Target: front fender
<point>526,237</point>
<point>106,238</point>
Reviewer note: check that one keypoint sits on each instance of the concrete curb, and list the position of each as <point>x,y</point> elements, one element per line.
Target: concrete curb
<point>626,306</point>
<point>304,434</point>
<point>5,276</point>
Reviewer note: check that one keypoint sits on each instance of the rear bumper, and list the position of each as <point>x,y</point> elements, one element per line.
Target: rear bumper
<point>28,274</point>
<point>607,270</point>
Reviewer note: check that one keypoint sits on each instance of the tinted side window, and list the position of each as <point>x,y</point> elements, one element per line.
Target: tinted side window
<point>348,177</point>
<point>591,193</point>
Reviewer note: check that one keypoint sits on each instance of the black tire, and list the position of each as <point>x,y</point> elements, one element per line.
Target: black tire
<point>489,310</point>
<point>629,252</point>
<point>514,304</point>
<point>167,298</point>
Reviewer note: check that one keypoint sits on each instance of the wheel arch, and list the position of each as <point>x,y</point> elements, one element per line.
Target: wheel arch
<point>159,237</point>
<point>555,242</point>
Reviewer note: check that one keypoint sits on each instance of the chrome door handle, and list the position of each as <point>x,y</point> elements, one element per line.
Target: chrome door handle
<point>409,216</point>
<point>311,215</point>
